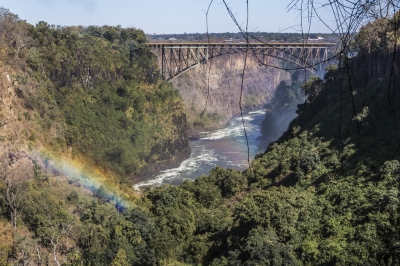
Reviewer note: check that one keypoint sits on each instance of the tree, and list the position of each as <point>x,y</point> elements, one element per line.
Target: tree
<point>56,234</point>
<point>120,258</point>
<point>15,169</point>
<point>174,211</point>
<point>263,248</point>
<point>331,74</point>
<point>14,33</point>
<point>7,26</point>
<point>312,87</point>
<point>110,34</point>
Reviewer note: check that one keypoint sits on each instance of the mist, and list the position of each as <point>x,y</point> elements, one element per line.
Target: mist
<point>276,122</point>
<point>282,108</point>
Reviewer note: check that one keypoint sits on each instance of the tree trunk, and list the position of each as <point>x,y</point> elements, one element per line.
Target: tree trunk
<point>14,218</point>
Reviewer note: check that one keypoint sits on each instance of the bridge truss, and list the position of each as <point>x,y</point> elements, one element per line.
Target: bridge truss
<point>177,58</point>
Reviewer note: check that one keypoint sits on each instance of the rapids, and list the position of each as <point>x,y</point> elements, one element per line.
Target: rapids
<point>224,147</point>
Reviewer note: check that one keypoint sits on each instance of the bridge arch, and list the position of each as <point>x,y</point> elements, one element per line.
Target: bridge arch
<point>178,58</point>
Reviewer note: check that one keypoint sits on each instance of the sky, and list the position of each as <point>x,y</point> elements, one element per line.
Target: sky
<point>167,16</point>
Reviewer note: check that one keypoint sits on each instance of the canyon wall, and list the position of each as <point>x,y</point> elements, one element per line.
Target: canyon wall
<point>224,89</point>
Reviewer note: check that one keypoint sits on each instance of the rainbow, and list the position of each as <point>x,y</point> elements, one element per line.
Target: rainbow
<point>81,174</point>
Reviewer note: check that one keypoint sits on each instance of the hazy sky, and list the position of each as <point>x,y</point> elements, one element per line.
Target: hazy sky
<point>164,16</point>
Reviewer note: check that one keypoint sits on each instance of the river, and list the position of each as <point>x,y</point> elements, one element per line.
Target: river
<point>224,147</point>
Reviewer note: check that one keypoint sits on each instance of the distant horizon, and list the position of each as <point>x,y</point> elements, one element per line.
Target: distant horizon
<point>236,33</point>
<point>187,33</point>
<point>172,17</point>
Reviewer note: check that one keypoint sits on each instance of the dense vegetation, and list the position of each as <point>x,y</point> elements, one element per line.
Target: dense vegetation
<point>92,96</point>
<point>96,90</point>
<point>325,193</point>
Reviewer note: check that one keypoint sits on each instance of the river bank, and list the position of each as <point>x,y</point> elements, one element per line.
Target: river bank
<point>226,147</point>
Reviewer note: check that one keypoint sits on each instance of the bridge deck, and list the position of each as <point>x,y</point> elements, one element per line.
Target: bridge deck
<point>243,45</point>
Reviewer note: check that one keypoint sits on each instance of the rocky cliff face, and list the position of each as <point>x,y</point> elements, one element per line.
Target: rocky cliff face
<point>169,153</point>
<point>224,89</point>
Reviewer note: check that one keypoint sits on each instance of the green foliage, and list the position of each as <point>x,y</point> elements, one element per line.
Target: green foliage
<point>174,212</point>
<point>390,170</point>
<point>262,247</point>
<point>325,193</point>
<point>230,182</point>
<point>73,197</point>
<point>207,120</point>
<point>306,163</point>
<point>3,202</point>
<point>98,88</point>
<point>42,212</point>
<point>110,34</point>
<point>120,259</point>
<point>312,87</point>
<point>107,237</point>
<point>331,74</point>
<point>205,191</point>
<point>276,208</point>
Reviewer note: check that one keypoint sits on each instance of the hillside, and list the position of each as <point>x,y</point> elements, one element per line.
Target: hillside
<point>93,93</point>
<point>83,115</point>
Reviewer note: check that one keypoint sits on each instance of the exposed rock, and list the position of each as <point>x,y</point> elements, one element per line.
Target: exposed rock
<point>224,88</point>
<point>169,154</point>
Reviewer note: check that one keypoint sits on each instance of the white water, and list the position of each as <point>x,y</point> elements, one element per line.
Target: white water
<point>224,147</point>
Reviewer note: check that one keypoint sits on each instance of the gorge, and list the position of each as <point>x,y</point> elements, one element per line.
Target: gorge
<point>84,115</point>
<point>224,82</point>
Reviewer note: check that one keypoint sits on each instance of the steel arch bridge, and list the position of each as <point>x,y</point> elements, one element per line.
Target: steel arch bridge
<point>177,58</point>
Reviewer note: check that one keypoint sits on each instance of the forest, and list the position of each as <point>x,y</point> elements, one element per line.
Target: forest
<point>325,193</point>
